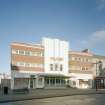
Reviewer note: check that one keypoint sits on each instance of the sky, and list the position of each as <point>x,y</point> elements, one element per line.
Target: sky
<point>81,22</point>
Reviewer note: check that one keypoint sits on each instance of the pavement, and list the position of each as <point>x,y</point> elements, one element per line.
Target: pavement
<point>47,93</point>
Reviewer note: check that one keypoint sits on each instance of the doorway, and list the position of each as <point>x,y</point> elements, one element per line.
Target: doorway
<point>32,83</point>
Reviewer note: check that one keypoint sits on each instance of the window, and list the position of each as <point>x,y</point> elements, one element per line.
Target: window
<point>61,67</point>
<point>21,52</point>
<point>63,81</point>
<point>38,53</point>
<point>52,81</point>
<point>57,80</point>
<point>47,80</point>
<point>27,65</point>
<point>74,83</point>
<point>56,67</point>
<point>40,80</point>
<point>51,67</point>
<point>83,68</point>
<point>17,52</point>
<point>79,59</point>
<point>20,64</point>
<point>33,53</point>
<point>27,53</point>
<point>75,58</point>
<point>86,68</point>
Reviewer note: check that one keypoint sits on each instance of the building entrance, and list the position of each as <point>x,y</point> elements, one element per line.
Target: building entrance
<point>55,81</point>
<point>99,83</point>
<point>32,81</point>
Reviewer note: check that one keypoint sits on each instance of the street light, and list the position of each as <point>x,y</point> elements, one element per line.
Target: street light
<point>97,63</point>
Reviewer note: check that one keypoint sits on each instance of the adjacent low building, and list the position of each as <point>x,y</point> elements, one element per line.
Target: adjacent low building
<point>81,69</point>
<point>5,80</point>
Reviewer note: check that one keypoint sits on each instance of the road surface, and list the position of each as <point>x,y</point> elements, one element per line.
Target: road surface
<point>95,99</point>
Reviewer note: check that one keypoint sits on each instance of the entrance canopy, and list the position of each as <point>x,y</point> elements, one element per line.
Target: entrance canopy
<point>53,75</point>
<point>28,75</point>
<point>24,75</point>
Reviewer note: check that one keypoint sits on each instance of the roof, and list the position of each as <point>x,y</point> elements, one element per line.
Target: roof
<point>81,53</point>
<point>28,44</point>
<point>99,56</point>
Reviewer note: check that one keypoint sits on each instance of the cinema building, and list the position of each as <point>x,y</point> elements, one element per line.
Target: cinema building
<point>42,65</point>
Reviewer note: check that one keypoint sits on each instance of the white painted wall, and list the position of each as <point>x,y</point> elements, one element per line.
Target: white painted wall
<point>58,49</point>
<point>76,76</point>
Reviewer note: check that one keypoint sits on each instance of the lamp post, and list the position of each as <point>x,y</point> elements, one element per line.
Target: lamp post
<point>97,63</point>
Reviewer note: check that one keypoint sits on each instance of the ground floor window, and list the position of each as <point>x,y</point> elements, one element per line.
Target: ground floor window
<point>74,83</point>
<point>83,83</point>
<point>21,83</point>
<point>40,80</point>
<point>54,81</point>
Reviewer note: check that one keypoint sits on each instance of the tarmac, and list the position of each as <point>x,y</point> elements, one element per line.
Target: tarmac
<point>47,93</point>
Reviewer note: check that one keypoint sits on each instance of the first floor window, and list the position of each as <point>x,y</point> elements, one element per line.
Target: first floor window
<point>40,81</point>
<point>61,67</point>
<point>21,52</point>
<point>51,67</point>
<point>56,67</point>
<point>27,53</point>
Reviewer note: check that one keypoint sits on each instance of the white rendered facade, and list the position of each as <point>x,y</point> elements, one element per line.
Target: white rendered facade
<point>55,52</point>
<point>76,77</point>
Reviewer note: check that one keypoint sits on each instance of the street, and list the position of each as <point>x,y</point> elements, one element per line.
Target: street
<point>93,99</point>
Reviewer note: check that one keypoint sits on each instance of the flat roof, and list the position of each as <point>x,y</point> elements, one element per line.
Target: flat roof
<point>99,56</point>
<point>27,44</point>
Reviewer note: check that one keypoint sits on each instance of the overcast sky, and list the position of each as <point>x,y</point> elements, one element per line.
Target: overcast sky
<point>81,22</point>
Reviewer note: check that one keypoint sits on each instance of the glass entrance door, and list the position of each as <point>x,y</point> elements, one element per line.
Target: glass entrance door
<point>31,83</point>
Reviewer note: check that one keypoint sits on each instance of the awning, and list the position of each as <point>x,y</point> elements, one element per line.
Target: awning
<point>53,75</point>
<point>24,75</point>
